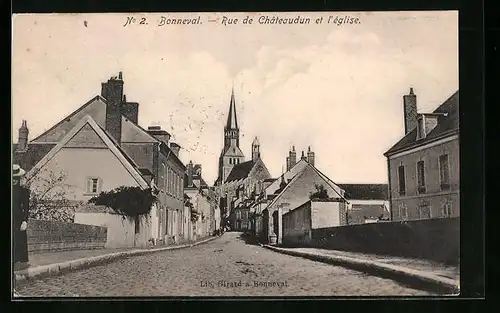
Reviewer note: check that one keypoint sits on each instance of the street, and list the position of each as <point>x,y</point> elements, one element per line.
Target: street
<point>226,266</point>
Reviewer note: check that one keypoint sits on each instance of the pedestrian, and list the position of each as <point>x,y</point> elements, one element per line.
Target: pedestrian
<point>20,203</point>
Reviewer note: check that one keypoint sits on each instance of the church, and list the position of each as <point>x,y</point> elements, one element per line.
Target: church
<point>239,182</point>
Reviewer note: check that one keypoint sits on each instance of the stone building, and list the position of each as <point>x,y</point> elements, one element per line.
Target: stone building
<point>239,181</point>
<point>423,167</point>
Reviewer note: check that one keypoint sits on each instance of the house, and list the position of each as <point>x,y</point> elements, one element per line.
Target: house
<point>239,181</point>
<point>299,222</point>
<point>76,162</point>
<point>204,220</point>
<point>292,190</point>
<point>154,157</point>
<point>423,167</point>
<point>367,202</point>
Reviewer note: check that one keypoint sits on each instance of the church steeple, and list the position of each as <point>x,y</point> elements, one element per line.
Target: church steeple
<point>231,130</point>
<point>232,121</point>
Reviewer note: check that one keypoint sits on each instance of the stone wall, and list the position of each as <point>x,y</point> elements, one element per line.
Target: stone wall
<point>47,236</point>
<point>432,239</point>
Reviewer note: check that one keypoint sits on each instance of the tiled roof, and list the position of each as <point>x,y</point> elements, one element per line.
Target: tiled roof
<point>365,191</point>
<point>240,171</point>
<point>33,154</point>
<point>445,124</point>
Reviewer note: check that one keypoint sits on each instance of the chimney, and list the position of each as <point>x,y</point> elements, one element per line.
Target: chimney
<point>22,142</point>
<point>293,157</point>
<point>112,91</point>
<point>302,157</point>
<point>190,173</point>
<point>159,134</point>
<point>310,156</point>
<point>197,175</point>
<point>175,148</point>
<point>287,163</point>
<point>410,111</point>
<point>130,110</point>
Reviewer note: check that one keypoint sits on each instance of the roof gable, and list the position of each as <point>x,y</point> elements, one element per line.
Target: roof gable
<point>86,137</point>
<point>87,120</point>
<point>295,180</point>
<point>290,174</point>
<point>95,107</point>
<point>446,124</point>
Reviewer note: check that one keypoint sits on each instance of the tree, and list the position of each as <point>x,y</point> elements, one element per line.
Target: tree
<point>49,196</point>
<point>320,193</point>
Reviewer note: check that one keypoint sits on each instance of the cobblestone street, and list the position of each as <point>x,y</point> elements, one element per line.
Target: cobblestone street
<point>215,269</point>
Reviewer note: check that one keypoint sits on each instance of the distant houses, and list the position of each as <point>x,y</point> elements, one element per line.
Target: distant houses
<point>424,167</point>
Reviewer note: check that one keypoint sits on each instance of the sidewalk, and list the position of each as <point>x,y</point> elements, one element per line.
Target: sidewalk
<point>54,263</point>
<point>424,273</point>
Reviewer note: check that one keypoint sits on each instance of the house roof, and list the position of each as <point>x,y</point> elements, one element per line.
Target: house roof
<point>446,125</point>
<point>290,174</point>
<point>365,191</point>
<point>240,171</point>
<point>32,155</point>
<point>126,161</point>
<point>98,97</point>
<point>308,165</point>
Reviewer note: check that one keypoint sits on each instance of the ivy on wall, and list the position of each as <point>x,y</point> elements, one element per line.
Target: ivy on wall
<point>128,201</point>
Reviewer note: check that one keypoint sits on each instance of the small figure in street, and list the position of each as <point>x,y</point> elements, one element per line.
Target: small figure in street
<point>20,205</point>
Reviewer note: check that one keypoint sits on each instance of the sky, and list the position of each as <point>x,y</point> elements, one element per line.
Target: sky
<point>335,88</point>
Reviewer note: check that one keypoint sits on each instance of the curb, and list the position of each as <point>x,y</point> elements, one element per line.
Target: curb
<point>83,263</point>
<point>423,280</point>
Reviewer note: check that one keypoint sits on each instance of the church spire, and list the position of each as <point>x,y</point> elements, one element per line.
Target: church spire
<point>232,122</point>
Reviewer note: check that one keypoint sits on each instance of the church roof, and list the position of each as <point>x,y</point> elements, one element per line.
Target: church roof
<point>446,124</point>
<point>232,121</point>
<point>365,191</point>
<point>240,171</point>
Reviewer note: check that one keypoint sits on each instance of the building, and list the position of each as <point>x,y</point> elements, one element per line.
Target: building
<point>205,217</point>
<point>367,202</point>
<point>292,190</point>
<point>155,160</point>
<point>239,181</point>
<point>423,167</point>
<point>314,214</point>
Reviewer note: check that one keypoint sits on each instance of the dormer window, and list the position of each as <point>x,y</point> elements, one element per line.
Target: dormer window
<point>421,127</point>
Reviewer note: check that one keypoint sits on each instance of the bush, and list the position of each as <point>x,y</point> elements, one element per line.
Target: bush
<point>129,201</point>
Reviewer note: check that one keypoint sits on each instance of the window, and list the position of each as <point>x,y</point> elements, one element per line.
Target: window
<point>424,211</point>
<point>403,212</point>
<point>402,180</point>
<point>447,209</point>
<point>137,224</point>
<point>175,222</point>
<point>163,176</point>
<point>420,177</point>
<point>93,185</point>
<point>444,172</point>
<point>230,161</point>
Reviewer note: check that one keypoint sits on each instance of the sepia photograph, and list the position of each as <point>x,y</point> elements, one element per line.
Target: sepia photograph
<point>237,154</point>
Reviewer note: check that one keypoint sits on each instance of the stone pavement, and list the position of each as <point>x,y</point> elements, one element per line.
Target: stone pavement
<point>225,266</point>
<point>55,263</point>
<point>443,270</point>
<point>439,277</point>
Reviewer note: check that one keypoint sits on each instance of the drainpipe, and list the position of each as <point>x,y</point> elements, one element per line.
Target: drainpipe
<point>389,186</point>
